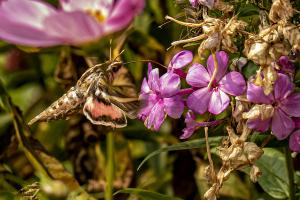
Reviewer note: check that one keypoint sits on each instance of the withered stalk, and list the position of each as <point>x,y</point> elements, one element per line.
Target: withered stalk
<point>215,70</point>
<point>193,25</point>
<point>211,164</point>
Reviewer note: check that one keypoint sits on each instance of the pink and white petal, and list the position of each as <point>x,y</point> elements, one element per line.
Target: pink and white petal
<point>122,14</point>
<point>255,94</point>
<point>283,87</point>
<point>219,101</point>
<point>27,12</point>
<point>282,125</point>
<point>233,83</point>
<point>197,76</point>
<point>22,34</point>
<point>145,87</point>
<point>291,105</point>
<point>74,27</point>
<point>222,58</point>
<point>174,106</point>
<point>156,116</point>
<point>259,125</point>
<point>294,141</point>
<point>85,5</point>
<point>153,80</point>
<point>198,101</point>
<point>181,59</point>
<point>169,84</point>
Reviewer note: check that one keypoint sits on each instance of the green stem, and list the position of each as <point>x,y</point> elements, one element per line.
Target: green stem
<point>109,166</point>
<point>290,168</point>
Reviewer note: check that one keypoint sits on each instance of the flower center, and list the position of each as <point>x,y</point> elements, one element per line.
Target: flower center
<point>97,14</point>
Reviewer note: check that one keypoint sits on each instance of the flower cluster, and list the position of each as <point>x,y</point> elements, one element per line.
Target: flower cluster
<point>210,90</point>
<point>37,23</point>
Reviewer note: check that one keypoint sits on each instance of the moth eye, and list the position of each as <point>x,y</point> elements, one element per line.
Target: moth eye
<point>116,68</point>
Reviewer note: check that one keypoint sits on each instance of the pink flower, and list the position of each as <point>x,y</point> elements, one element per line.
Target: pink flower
<point>192,125</point>
<point>208,3</point>
<point>37,23</point>
<point>159,98</point>
<point>214,98</point>
<point>285,103</point>
<point>294,141</point>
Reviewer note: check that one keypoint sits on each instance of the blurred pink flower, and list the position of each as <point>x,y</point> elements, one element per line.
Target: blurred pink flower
<point>37,23</point>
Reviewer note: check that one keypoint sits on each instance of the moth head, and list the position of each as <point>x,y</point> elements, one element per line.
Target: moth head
<point>113,69</point>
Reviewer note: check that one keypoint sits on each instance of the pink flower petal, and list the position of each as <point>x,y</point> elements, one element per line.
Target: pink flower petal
<point>197,76</point>
<point>22,23</point>
<point>219,101</point>
<point>259,125</point>
<point>147,101</point>
<point>27,35</point>
<point>297,122</point>
<point>174,106</point>
<point>169,84</point>
<point>181,59</point>
<point>222,58</point>
<point>85,5</point>
<point>145,87</point>
<point>291,105</point>
<point>294,141</point>
<point>198,100</point>
<point>255,94</point>
<point>283,87</point>
<point>153,80</point>
<point>233,83</point>
<point>156,117</point>
<point>75,27</point>
<point>282,125</point>
<point>27,12</point>
<point>122,14</point>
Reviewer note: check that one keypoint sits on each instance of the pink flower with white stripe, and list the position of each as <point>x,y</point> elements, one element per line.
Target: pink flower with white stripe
<point>37,23</point>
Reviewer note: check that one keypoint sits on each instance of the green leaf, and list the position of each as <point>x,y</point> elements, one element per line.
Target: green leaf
<point>147,195</point>
<point>192,144</point>
<point>274,179</point>
<point>248,10</point>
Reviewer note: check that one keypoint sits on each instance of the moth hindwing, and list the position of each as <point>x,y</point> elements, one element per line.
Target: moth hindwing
<point>105,93</point>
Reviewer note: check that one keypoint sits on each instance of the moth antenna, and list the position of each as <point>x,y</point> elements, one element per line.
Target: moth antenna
<point>110,50</point>
<point>118,55</point>
<point>152,61</point>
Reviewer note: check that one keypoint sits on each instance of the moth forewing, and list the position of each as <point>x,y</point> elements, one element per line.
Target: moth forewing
<point>101,112</point>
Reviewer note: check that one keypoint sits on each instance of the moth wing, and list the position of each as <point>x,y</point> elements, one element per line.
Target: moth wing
<point>102,112</point>
<point>123,94</point>
<point>129,105</point>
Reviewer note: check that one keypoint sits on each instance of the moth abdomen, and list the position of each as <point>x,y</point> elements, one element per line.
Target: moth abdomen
<point>70,103</point>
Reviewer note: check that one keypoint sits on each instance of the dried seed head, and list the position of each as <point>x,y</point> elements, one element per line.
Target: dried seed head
<point>212,193</point>
<point>291,33</point>
<point>222,6</point>
<point>252,151</point>
<point>270,77</point>
<point>255,173</point>
<point>281,10</point>
<point>262,112</point>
